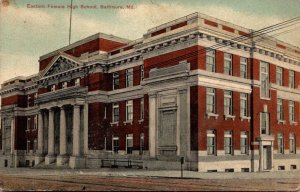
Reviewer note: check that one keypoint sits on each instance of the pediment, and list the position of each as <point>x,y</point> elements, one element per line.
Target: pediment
<point>60,64</point>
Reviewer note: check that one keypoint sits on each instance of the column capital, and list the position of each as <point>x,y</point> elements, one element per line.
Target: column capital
<point>152,94</point>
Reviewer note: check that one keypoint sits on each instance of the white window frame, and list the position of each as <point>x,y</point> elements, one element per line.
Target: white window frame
<point>243,73</point>
<point>280,141</point>
<point>211,147</point>
<point>116,81</point>
<point>129,77</point>
<point>244,101</point>
<point>128,138</point>
<point>244,143</point>
<point>115,108</point>
<point>28,123</point>
<point>291,79</point>
<point>265,116</point>
<point>292,143</point>
<point>280,109</point>
<point>211,55</point>
<point>35,145</point>
<point>279,76</point>
<point>129,110</point>
<point>265,83</point>
<point>228,146</point>
<point>228,107</point>
<point>211,93</point>
<point>291,111</point>
<point>227,64</point>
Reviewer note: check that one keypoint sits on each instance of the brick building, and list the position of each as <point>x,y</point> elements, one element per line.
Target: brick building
<point>187,89</point>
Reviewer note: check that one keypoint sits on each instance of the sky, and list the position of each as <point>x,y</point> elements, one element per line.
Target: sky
<point>27,32</point>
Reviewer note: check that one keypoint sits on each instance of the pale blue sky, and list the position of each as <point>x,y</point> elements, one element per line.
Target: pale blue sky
<point>27,33</point>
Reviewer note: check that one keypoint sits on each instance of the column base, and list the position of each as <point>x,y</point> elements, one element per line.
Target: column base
<point>49,159</point>
<point>38,159</point>
<point>77,162</point>
<point>62,160</point>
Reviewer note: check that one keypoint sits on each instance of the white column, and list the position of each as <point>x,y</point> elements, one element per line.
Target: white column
<point>51,133</point>
<point>76,130</point>
<point>62,133</point>
<point>40,133</point>
<point>261,153</point>
<point>152,125</point>
<point>3,136</point>
<point>85,128</point>
<point>12,135</point>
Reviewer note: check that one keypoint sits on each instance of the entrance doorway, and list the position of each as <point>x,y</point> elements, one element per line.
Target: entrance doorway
<point>267,159</point>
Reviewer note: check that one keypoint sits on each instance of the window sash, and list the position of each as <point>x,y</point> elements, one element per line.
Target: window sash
<point>279,75</point>
<point>142,108</point>
<point>280,144</point>
<point>264,123</point>
<point>244,144</point>
<point>264,75</point>
<point>115,81</point>
<point>291,79</point>
<point>292,145</point>
<point>228,144</point>
<point>291,111</point>
<point>210,101</point>
<point>115,112</point>
<point>211,145</point>
<point>280,109</point>
<point>210,61</point>
<point>244,104</point>
<point>129,77</point>
<point>228,103</point>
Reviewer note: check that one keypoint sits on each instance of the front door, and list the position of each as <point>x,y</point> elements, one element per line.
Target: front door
<point>267,158</point>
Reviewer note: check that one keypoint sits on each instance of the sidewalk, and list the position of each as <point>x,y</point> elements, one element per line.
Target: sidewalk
<point>104,172</point>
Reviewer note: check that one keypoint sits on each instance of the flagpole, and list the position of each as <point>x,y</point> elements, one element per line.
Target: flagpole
<point>70,22</point>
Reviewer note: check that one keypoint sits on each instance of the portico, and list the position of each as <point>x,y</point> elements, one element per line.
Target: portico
<point>61,133</point>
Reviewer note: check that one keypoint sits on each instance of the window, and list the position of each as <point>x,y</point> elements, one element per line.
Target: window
<point>243,68</point>
<point>142,108</point>
<point>77,81</point>
<point>129,143</point>
<point>64,85</point>
<point>142,72</point>
<point>129,77</point>
<point>211,142</point>
<point>280,109</point>
<point>244,142</point>
<point>279,76</point>
<point>52,87</point>
<point>228,102</point>
<point>228,144</point>
<point>292,143</point>
<point>280,143</point>
<point>129,111</point>
<point>264,123</point>
<point>116,144</point>
<point>210,100</point>
<point>228,64</point>
<point>244,104</point>
<point>210,60</point>
<point>115,112</point>
<point>264,80</point>
<point>291,79</point>
<point>142,143</point>
<point>115,80</point>
<point>291,111</point>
